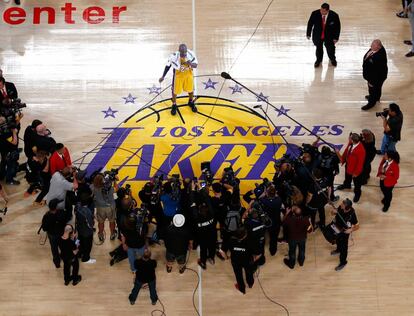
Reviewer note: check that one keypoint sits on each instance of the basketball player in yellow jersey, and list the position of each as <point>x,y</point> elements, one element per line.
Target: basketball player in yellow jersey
<point>183,62</point>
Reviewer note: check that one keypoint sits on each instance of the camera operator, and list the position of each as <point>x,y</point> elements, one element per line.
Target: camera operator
<point>255,222</point>
<point>328,162</point>
<point>170,199</point>
<point>69,248</point>
<point>283,181</point>
<point>8,91</point>
<point>368,141</point>
<point>84,227</point>
<point>9,156</point>
<point>60,185</point>
<point>353,158</point>
<point>392,121</point>
<point>272,205</point>
<point>388,172</point>
<point>346,222</point>
<point>35,166</point>
<point>304,168</point>
<point>232,222</point>
<point>297,226</point>
<point>29,138</point>
<point>132,238</point>
<point>53,223</point>
<point>231,183</point>
<point>124,206</point>
<point>204,224</point>
<point>103,197</point>
<point>318,196</point>
<point>177,242</point>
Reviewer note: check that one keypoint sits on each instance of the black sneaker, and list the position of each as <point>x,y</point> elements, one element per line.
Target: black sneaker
<point>77,280</point>
<point>211,261</point>
<point>406,42</point>
<point>287,263</point>
<point>343,187</point>
<point>356,198</point>
<point>182,269</point>
<point>317,64</point>
<point>202,264</point>
<point>174,109</point>
<point>192,106</point>
<point>132,302</point>
<point>340,267</point>
<point>154,302</point>
<point>334,63</point>
<point>169,269</point>
<point>68,281</point>
<point>401,15</point>
<point>272,251</point>
<point>385,209</point>
<point>367,97</point>
<point>367,107</point>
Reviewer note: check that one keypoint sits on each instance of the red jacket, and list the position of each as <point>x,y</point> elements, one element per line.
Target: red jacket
<point>354,160</point>
<point>56,163</point>
<point>391,174</point>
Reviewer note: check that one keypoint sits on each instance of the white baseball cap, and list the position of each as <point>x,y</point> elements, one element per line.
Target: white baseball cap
<point>178,220</point>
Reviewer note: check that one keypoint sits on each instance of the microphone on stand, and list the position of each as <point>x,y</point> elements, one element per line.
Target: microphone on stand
<point>225,75</point>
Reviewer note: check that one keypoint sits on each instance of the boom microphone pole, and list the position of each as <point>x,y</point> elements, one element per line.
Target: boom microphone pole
<point>227,76</point>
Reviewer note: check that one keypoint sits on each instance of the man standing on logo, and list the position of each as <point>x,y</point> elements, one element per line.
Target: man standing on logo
<point>325,27</point>
<point>183,61</point>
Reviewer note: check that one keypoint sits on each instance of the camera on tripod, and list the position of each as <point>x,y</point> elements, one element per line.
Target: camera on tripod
<point>155,193</point>
<point>109,178</point>
<point>384,113</point>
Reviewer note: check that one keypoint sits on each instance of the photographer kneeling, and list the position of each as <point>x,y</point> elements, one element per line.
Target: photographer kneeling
<point>392,120</point>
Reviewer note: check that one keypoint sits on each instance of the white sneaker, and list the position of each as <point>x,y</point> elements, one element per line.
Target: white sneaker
<point>90,261</point>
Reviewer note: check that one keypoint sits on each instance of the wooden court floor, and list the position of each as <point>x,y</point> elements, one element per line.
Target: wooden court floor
<point>68,74</point>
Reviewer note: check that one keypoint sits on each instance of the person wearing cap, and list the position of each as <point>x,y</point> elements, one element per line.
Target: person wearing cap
<point>178,241</point>
<point>353,158</point>
<point>59,159</point>
<point>145,274</point>
<point>346,222</point>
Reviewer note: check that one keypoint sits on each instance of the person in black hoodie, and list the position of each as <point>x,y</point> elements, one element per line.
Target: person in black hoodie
<point>375,71</point>
<point>53,223</point>
<point>242,258</point>
<point>145,273</point>
<point>69,248</point>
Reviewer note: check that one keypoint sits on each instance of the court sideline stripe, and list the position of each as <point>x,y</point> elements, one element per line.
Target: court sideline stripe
<point>200,288</point>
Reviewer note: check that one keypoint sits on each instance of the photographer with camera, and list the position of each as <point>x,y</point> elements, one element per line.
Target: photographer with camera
<point>353,158</point>
<point>328,162</point>
<point>9,156</point>
<point>345,222</point>
<point>318,196</point>
<point>388,172</point>
<point>8,91</point>
<point>392,121</point>
<point>204,224</point>
<point>133,233</point>
<point>170,199</point>
<point>60,185</point>
<point>103,188</point>
<point>53,223</point>
<point>231,183</point>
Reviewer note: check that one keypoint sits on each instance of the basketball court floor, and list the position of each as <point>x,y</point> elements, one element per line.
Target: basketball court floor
<point>83,80</point>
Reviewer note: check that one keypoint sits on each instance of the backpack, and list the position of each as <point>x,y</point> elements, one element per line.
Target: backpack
<point>232,221</point>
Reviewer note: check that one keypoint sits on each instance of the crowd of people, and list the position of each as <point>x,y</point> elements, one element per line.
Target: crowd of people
<point>213,214</point>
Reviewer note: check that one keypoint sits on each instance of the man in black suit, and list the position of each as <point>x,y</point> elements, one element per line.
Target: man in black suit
<point>7,91</point>
<point>375,71</point>
<point>325,27</point>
